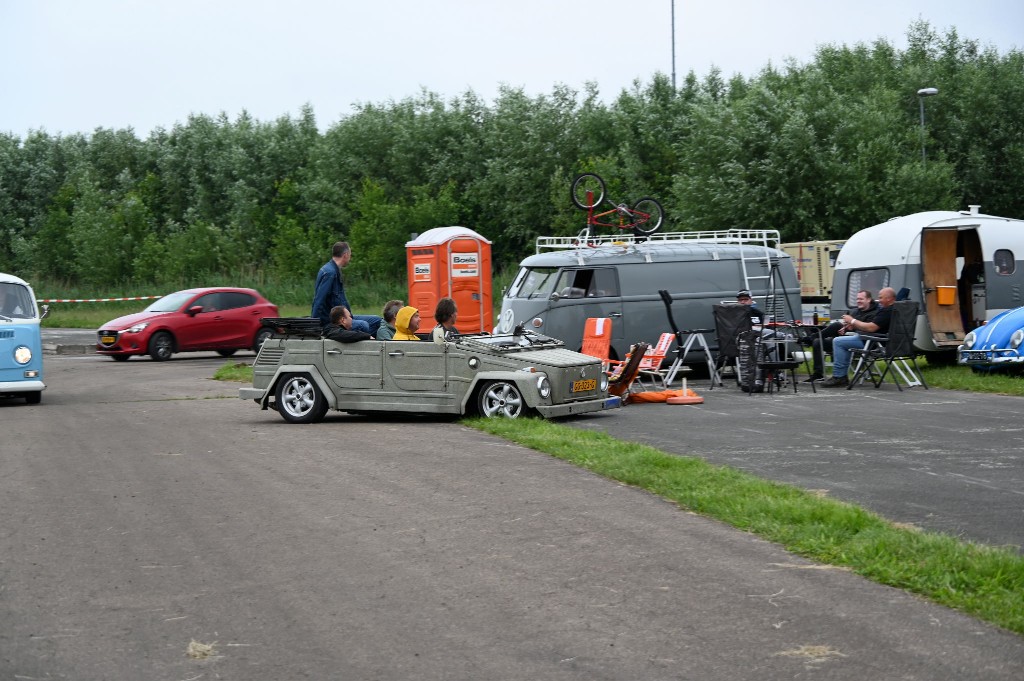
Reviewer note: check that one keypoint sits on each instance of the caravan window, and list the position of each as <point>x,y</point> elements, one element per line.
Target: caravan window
<point>599,282</point>
<point>865,280</point>
<point>1003,260</point>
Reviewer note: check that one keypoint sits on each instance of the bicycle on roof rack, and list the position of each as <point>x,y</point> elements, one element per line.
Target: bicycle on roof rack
<point>588,193</point>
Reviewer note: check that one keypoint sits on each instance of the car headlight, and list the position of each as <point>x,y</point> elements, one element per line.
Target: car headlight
<point>22,354</point>
<point>604,381</point>
<point>969,340</point>
<point>544,386</point>
<point>1017,338</point>
<point>138,327</point>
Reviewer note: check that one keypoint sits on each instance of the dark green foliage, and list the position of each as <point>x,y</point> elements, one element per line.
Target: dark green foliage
<point>815,150</point>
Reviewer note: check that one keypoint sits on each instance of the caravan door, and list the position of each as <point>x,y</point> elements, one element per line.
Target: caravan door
<point>940,286</point>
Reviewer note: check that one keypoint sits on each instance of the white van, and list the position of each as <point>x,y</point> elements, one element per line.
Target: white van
<point>963,267</point>
<point>557,289</point>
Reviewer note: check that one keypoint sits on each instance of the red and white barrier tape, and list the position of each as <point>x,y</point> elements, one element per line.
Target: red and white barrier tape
<point>93,300</point>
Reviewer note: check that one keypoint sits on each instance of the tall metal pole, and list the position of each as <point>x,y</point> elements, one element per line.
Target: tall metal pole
<point>921,94</point>
<point>674,45</point>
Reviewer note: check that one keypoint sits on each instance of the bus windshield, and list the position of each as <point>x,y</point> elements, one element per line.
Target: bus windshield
<point>534,282</point>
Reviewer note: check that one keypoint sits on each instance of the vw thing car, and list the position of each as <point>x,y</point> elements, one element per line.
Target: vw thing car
<point>499,376</point>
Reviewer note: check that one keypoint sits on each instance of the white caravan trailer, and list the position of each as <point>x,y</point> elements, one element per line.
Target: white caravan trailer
<point>962,267</point>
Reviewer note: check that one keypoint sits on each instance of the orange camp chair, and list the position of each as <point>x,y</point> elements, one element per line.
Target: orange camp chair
<point>597,339</point>
<point>650,365</point>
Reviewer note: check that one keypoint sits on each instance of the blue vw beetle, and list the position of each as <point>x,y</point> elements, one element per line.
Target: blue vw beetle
<point>996,344</point>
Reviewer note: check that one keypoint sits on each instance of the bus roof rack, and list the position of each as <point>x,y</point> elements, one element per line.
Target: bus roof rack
<point>761,237</point>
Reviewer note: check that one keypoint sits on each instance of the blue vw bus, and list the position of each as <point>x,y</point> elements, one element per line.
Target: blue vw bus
<point>21,346</point>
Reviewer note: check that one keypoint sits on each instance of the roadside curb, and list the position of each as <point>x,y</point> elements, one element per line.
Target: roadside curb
<point>67,349</point>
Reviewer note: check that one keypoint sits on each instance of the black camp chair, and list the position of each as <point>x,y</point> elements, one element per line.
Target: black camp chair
<point>895,349</point>
<point>730,322</point>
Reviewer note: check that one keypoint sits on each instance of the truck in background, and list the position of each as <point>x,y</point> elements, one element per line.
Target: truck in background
<point>815,263</point>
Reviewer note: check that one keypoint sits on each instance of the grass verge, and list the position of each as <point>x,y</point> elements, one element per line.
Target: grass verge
<point>986,582</point>
<point>236,372</point>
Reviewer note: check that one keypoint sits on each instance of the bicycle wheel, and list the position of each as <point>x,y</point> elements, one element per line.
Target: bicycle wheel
<point>584,184</point>
<point>647,216</point>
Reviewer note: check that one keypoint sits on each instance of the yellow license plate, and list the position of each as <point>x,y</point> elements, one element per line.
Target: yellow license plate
<point>582,386</point>
<point>107,339</point>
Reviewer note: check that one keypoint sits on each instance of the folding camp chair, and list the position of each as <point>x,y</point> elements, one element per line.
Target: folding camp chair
<point>730,322</point>
<point>622,378</point>
<point>650,365</point>
<point>895,349</point>
<point>597,339</point>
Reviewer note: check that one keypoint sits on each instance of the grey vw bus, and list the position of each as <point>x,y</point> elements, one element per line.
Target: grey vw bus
<point>557,289</point>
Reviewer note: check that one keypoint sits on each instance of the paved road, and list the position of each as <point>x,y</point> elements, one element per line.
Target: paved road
<point>145,507</point>
<point>943,460</point>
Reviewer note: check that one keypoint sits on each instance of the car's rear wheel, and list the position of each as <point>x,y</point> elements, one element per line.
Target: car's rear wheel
<point>161,346</point>
<point>34,397</point>
<point>120,358</point>
<point>500,399</point>
<point>226,353</point>
<point>299,400</point>
<point>262,336</point>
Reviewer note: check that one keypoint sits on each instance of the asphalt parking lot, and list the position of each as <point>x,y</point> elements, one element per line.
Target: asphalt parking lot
<point>941,460</point>
<point>147,507</point>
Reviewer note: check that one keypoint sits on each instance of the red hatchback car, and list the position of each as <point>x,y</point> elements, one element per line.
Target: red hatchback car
<point>221,319</point>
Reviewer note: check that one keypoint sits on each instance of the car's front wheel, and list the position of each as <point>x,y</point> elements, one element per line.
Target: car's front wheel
<point>500,399</point>
<point>299,400</point>
<point>161,346</point>
<point>262,336</point>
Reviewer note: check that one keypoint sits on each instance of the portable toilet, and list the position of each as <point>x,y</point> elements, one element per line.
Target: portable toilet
<point>451,262</point>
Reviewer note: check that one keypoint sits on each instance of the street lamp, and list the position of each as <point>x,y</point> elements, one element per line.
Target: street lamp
<point>921,94</point>
<point>673,46</point>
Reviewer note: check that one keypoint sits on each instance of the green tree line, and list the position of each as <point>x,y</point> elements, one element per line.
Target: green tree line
<point>815,150</point>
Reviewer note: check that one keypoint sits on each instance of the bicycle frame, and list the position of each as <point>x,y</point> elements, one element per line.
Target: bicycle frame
<point>628,218</point>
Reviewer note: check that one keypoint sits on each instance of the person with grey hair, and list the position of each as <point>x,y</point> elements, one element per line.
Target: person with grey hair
<point>842,345</point>
<point>329,291</point>
<point>387,327</point>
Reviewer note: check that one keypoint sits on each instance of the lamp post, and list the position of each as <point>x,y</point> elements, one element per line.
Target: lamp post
<point>921,94</point>
<point>673,45</point>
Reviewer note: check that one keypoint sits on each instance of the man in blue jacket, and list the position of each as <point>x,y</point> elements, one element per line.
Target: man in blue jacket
<point>330,292</point>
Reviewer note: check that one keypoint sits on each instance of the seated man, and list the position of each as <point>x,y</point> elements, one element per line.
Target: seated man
<point>340,328</point>
<point>445,314</point>
<point>386,331</point>
<point>744,298</point>
<point>842,345</point>
<point>822,343</point>
<point>407,321</point>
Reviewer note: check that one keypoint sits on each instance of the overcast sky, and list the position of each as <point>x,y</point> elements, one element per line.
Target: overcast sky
<point>74,65</point>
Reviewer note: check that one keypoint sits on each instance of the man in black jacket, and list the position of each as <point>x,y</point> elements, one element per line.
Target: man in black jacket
<point>340,328</point>
<point>820,344</point>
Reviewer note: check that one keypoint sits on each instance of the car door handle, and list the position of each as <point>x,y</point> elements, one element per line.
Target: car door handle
<point>396,353</point>
<point>614,314</point>
<point>334,352</point>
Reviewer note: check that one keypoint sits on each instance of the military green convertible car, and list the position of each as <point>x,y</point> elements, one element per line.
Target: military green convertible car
<point>500,376</point>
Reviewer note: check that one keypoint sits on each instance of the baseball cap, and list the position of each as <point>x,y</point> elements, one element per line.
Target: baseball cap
<point>744,293</point>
